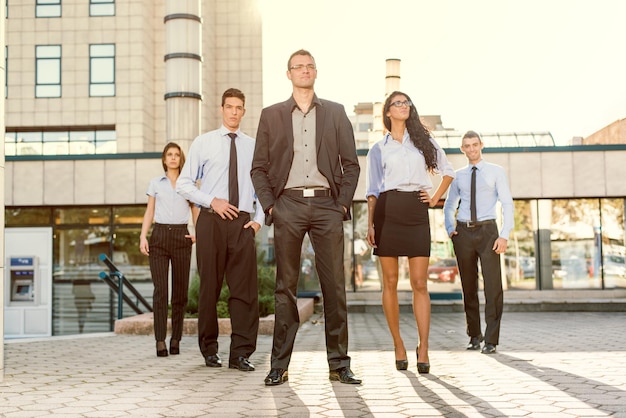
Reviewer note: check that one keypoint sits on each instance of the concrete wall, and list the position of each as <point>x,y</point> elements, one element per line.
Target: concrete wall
<point>532,174</point>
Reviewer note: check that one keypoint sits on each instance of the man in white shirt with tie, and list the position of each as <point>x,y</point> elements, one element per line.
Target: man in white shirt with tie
<point>471,224</point>
<point>230,216</point>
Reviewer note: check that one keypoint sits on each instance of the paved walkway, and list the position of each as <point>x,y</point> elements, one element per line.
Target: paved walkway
<point>549,364</point>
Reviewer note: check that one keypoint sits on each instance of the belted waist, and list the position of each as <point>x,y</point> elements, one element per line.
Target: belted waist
<point>470,224</point>
<point>211,210</point>
<point>308,192</point>
<point>171,225</point>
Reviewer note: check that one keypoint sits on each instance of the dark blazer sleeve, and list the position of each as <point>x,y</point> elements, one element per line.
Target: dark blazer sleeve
<point>273,154</point>
<point>337,158</point>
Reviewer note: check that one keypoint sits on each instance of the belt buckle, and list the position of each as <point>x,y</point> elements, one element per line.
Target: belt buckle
<point>470,224</point>
<point>308,193</point>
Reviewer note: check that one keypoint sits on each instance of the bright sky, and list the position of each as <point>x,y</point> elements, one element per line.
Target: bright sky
<point>486,65</point>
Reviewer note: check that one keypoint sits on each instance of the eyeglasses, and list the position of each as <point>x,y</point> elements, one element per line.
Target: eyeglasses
<point>398,103</point>
<point>301,67</point>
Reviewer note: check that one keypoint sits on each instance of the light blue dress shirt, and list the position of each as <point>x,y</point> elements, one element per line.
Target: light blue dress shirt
<point>491,186</point>
<point>169,207</point>
<point>205,174</point>
<point>401,166</point>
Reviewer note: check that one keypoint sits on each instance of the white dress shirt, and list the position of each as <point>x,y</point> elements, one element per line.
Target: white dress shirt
<point>401,166</point>
<point>169,207</point>
<point>491,186</point>
<point>207,164</point>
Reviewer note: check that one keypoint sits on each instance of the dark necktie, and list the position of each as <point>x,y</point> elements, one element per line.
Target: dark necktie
<point>233,184</point>
<point>473,196</point>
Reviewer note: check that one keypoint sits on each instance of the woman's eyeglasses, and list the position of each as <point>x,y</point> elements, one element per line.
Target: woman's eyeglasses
<point>398,103</point>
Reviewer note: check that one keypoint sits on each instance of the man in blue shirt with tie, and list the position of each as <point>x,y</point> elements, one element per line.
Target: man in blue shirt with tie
<point>216,177</point>
<point>472,203</point>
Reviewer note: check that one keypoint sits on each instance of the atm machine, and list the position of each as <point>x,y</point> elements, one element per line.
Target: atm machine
<point>28,282</point>
<point>22,272</point>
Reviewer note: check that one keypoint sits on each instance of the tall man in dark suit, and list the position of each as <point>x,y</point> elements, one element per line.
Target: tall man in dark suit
<point>305,171</point>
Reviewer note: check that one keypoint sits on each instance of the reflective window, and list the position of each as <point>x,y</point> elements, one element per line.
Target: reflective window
<point>610,237</point>
<point>520,258</point>
<point>27,216</point>
<point>102,70</point>
<point>48,8</point>
<point>48,71</point>
<point>101,7</point>
<point>61,142</point>
<point>88,215</point>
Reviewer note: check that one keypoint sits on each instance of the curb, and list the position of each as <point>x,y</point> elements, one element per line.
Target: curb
<point>143,324</point>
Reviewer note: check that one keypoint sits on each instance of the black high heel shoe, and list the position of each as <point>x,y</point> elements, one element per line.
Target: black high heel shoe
<point>422,368</point>
<point>402,364</point>
<point>161,349</point>
<point>174,347</point>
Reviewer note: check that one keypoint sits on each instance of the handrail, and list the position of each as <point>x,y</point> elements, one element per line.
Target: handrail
<point>107,279</point>
<point>119,287</point>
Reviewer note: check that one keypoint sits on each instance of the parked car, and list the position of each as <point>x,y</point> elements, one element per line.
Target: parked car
<point>443,270</point>
<point>614,265</point>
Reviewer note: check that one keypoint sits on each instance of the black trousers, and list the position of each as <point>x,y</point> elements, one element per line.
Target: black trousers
<point>470,245</point>
<point>226,248</point>
<point>168,245</point>
<point>322,219</point>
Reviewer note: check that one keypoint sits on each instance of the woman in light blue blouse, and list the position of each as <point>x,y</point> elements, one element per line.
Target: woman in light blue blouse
<point>170,243</point>
<point>398,197</point>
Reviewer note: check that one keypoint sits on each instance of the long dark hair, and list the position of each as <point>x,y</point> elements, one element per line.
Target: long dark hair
<point>182,156</point>
<point>419,134</point>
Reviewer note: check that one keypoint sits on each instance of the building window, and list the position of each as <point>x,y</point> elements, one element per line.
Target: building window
<point>101,7</point>
<point>102,70</point>
<point>48,8</point>
<point>48,71</point>
<point>59,142</point>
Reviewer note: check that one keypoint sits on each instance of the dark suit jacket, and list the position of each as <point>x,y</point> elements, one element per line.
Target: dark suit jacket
<point>273,153</point>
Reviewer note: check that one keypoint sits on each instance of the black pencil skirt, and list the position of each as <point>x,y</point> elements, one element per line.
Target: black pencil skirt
<point>401,225</point>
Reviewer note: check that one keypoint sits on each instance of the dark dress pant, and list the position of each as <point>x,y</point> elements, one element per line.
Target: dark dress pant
<point>224,248</point>
<point>168,245</point>
<point>322,219</point>
<point>470,245</point>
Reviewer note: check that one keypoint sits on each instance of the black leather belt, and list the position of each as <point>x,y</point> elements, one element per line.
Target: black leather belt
<point>308,192</point>
<point>211,210</point>
<point>470,224</point>
<point>171,225</point>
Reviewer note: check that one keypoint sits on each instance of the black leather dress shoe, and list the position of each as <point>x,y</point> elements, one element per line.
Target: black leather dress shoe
<point>344,375</point>
<point>489,349</point>
<point>213,360</point>
<point>276,377</point>
<point>474,343</point>
<point>241,363</point>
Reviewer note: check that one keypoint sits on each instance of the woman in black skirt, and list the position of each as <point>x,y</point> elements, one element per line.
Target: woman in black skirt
<point>398,198</point>
<point>170,244</point>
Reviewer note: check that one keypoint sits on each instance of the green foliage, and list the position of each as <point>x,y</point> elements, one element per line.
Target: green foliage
<point>266,282</point>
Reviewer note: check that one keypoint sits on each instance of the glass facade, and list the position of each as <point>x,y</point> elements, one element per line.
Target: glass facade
<point>55,142</point>
<point>555,244</point>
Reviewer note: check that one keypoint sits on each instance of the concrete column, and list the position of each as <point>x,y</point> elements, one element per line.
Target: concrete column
<point>2,130</point>
<point>183,70</point>
<point>392,76</point>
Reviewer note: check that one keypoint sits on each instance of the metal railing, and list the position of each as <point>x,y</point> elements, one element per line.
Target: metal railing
<point>118,287</point>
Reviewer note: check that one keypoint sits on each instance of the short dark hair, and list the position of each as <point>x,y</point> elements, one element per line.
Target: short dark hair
<point>471,134</point>
<point>298,52</point>
<point>182,155</point>
<point>232,92</point>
